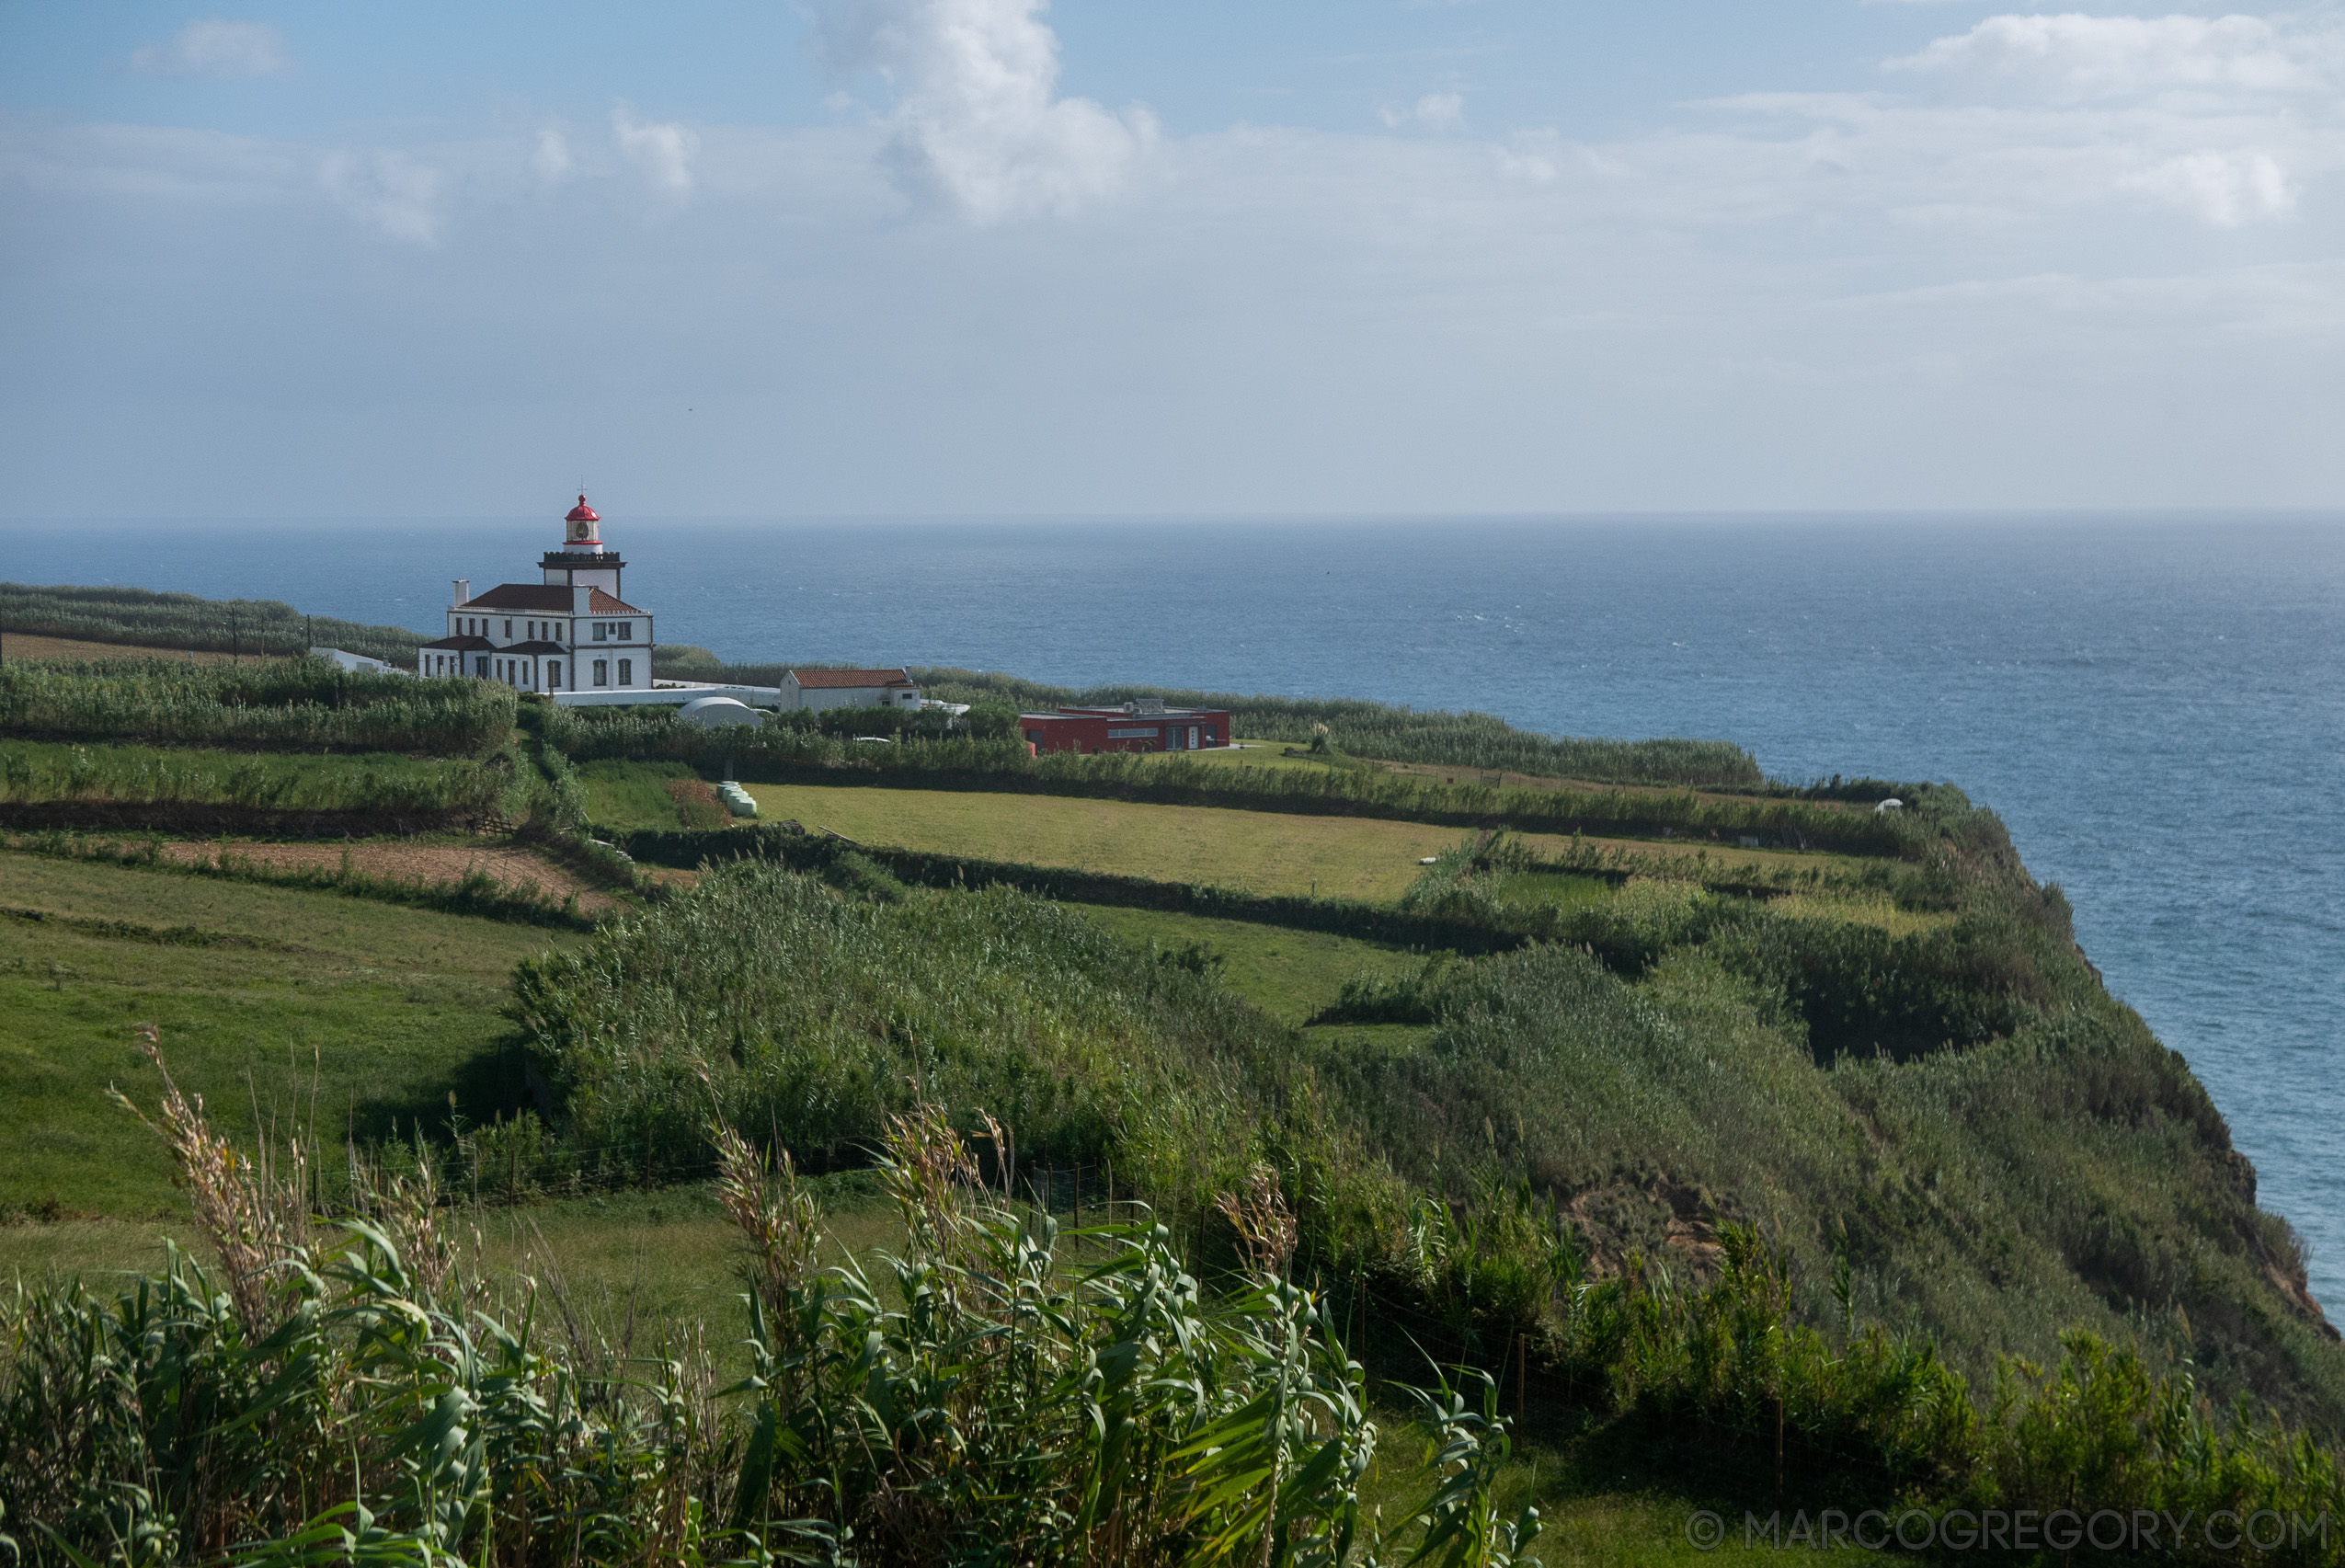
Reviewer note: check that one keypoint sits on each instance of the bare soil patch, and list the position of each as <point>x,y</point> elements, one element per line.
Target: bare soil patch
<point>406,863</point>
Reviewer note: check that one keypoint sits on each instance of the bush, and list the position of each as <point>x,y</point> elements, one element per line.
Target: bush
<point>813,1015</point>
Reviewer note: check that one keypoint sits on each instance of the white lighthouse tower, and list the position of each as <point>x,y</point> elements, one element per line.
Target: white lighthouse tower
<point>582,562</point>
<point>570,633</point>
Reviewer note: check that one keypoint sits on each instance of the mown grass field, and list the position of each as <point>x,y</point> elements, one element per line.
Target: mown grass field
<point>364,1015</point>
<point>1262,851</point>
<point>1288,973</point>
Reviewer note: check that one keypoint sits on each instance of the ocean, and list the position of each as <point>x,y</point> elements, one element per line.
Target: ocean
<point>2155,705</point>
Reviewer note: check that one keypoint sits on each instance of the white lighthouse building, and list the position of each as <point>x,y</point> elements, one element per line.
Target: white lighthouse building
<point>573,632</point>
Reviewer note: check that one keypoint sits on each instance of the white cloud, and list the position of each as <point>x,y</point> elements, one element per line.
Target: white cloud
<point>388,190</point>
<point>2073,58</point>
<point>977,119</point>
<point>2225,189</point>
<point>217,48</point>
<point>662,150</point>
<point>1435,111</point>
<point>552,161</point>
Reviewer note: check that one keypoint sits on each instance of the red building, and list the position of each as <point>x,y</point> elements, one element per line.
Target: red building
<point>1147,725</point>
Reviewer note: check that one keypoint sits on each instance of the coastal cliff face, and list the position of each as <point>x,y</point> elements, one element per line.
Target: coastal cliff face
<point>1899,1074</point>
<point>1931,1103</point>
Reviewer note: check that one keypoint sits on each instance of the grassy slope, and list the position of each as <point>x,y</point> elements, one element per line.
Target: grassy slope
<point>1288,974</point>
<point>1260,851</point>
<point>631,795</point>
<point>385,1010</point>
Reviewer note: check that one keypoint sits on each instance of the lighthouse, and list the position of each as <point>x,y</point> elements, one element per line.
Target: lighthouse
<point>582,562</point>
<point>570,633</point>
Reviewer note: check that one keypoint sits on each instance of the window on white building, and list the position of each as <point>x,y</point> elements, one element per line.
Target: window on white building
<point>602,672</point>
<point>602,631</point>
<point>626,630</point>
<point>626,672</point>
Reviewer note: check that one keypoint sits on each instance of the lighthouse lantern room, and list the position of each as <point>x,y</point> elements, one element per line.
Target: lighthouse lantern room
<point>570,633</point>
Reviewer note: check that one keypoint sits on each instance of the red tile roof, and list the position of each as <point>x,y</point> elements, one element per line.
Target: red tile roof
<point>832,680</point>
<point>544,597</point>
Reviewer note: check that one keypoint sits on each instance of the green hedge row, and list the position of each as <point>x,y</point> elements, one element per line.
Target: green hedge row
<point>810,853</point>
<point>181,621</point>
<point>295,705</point>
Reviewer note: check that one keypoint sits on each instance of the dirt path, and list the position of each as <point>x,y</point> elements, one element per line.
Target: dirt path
<point>406,863</point>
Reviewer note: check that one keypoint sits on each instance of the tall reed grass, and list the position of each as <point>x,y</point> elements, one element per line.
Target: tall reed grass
<point>180,621</point>
<point>1717,1064</point>
<point>34,773</point>
<point>296,704</point>
<point>352,1392</point>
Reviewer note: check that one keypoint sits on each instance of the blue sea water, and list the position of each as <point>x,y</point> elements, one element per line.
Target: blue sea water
<point>2155,705</point>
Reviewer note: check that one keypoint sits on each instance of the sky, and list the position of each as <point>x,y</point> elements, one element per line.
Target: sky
<point>1137,258</point>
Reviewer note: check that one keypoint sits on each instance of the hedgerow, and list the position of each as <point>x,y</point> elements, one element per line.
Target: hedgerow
<point>139,618</point>
<point>292,705</point>
<point>784,754</point>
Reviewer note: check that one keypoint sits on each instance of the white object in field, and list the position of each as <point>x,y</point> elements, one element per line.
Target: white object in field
<point>710,712</point>
<point>737,800</point>
<point>1892,804</point>
<point>1430,860</point>
<point>357,663</point>
<point>1747,841</point>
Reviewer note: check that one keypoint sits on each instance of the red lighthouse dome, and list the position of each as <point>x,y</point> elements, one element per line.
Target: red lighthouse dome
<point>580,526</point>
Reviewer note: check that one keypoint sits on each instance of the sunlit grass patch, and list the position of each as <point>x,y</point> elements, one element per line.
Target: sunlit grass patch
<point>1262,852</point>
<point>1286,973</point>
<point>1878,910</point>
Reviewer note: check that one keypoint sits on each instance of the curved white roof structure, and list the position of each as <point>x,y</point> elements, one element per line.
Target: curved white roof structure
<point>710,711</point>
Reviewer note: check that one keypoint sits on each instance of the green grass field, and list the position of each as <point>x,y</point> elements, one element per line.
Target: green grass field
<point>361,1014</point>
<point>1262,851</point>
<point>631,794</point>
<point>1288,973</point>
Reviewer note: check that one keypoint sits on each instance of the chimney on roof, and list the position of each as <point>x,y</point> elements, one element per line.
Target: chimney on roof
<point>579,605</point>
<point>463,593</point>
